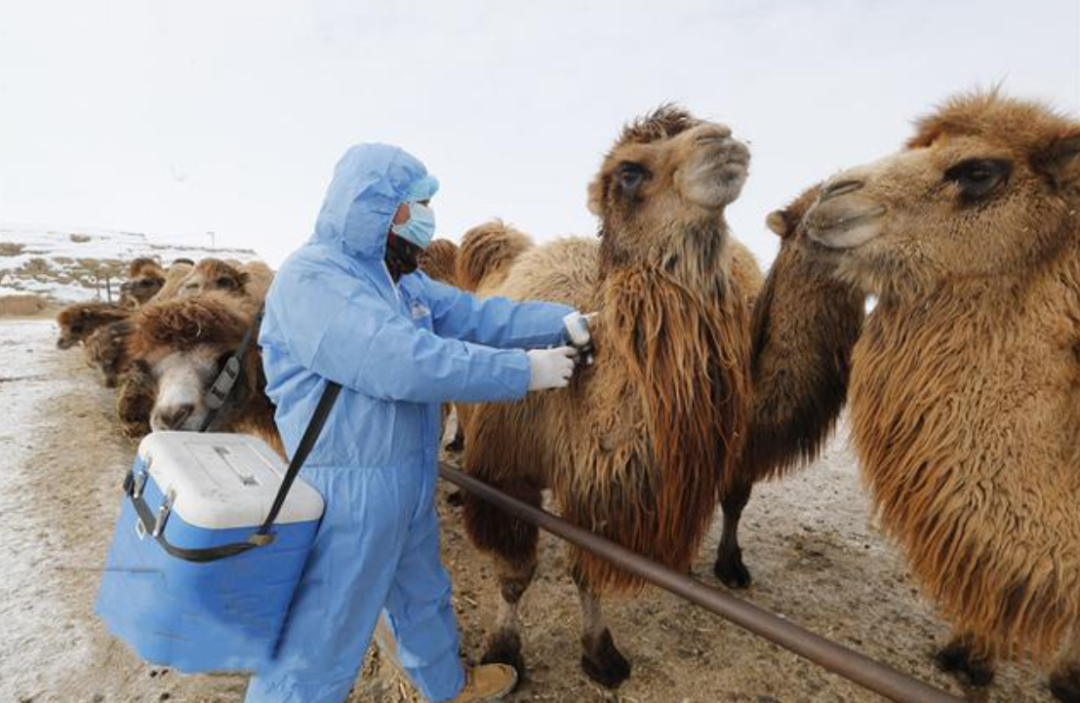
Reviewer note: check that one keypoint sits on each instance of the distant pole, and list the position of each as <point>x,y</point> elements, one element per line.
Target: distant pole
<point>213,240</point>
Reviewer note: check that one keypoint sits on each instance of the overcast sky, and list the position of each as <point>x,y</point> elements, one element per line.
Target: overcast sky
<point>178,118</point>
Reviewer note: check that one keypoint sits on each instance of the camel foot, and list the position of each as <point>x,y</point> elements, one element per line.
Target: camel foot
<point>956,659</point>
<point>731,570</point>
<point>504,647</point>
<point>603,663</point>
<point>455,499</point>
<point>1065,684</point>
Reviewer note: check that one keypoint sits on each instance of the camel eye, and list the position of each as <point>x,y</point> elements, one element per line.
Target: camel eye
<point>226,282</point>
<point>630,177</point>
<point>977,178</point>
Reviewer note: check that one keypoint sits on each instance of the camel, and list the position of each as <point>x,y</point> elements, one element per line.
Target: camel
<point>965,384</point>
<point>177,350</point>
<point>637,447</point>
<point>804,327</point>
<point>77,322</point>
<point>106,350</point>
<point>145,279</point>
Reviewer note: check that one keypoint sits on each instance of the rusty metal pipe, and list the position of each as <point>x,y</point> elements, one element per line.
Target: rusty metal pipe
<point>838,659</point>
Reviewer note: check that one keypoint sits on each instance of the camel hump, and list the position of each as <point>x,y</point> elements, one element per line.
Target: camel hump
<point>488,250</point>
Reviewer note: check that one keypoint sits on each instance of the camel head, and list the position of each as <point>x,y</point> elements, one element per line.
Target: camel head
<point>145,279</point>
<point>989,187</point>
<point>214,274</point>
<point>177,351</point>
<point>77,322</point>
<point>664,185</point>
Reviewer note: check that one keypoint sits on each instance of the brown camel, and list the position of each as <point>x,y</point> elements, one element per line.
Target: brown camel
<point>177,350</point>
<point>805,324</point>
<point>965,388</point>
<point>77,322</point>
<point>106,350</point>
<point>638,445</point>
<point>145,279</point>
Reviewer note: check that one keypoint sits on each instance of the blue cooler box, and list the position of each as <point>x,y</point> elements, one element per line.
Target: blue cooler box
<point>206,490</point>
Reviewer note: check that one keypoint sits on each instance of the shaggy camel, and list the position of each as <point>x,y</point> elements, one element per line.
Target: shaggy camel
<point>805,324</point>
<point>145,279</point>
<point>177,350</point>
<point>636,448</point>
<point>965,387</point>
<point>106,350</point>
<point>77,322</point>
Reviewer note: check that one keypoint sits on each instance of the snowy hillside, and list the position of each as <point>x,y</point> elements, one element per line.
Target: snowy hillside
<point>74,265</point>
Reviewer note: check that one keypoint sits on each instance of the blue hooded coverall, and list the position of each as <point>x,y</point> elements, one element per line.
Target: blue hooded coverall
<point>333,312</point>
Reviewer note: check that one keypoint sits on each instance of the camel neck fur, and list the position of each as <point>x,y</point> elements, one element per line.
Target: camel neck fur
<point>682,331</point>
<point>959,402</point>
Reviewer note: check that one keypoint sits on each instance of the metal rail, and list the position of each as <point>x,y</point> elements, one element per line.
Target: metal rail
<point>838,659</point>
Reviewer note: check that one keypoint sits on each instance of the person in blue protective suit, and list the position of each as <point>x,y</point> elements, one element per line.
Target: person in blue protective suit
<point>350,306</point>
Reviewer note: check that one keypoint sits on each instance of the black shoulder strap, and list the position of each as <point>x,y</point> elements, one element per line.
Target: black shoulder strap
<point>307,443</point>
<point>155,525</point>
<point>222,387</point>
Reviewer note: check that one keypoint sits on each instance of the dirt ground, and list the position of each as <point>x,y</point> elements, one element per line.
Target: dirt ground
<point>815,560</point>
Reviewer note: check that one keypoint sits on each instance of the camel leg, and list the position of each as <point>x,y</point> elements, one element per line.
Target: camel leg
<point>729,567</point>
<point>513,544</point>
<point>1065,679</point>
<point>600,658</point>
<point>503,645</point>
<point>959,659</point>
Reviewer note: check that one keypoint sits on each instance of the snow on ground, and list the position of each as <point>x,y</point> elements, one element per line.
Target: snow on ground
<point>70,265</point>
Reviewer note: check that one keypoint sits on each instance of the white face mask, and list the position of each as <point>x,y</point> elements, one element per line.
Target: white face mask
<point>419,228</point>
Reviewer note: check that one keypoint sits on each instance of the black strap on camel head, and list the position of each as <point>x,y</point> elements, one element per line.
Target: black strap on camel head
<point>222,388</point>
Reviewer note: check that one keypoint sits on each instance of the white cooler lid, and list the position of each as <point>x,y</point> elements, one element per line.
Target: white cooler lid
<point>221,481</point>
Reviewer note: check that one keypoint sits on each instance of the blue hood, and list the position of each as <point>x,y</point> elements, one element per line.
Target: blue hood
<point>370,182</point>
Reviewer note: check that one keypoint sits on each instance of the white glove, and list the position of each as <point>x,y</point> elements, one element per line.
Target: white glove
<point>551,368</point>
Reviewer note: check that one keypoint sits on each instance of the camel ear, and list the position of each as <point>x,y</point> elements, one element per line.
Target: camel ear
<point>777,221</point>
<point>1061,160</point>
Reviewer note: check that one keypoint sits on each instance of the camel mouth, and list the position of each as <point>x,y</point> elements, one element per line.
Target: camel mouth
<point>65,344</point>
<point>717,177</point>
<point>843,228</point>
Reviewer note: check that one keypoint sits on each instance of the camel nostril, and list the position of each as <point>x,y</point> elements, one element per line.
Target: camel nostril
<point>173,418</point>
<point>833,190</point>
